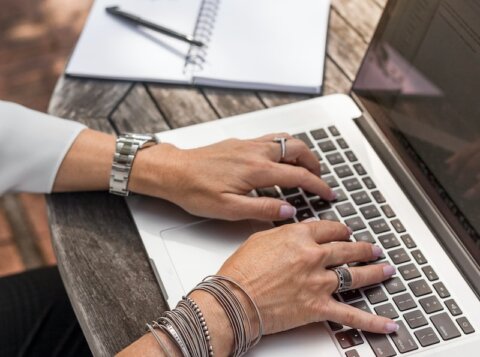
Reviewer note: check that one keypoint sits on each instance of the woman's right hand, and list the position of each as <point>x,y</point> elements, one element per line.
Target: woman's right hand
<point>286,271</point>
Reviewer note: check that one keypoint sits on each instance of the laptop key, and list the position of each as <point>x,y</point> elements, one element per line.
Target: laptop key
<point>453,307</point>
<point>326,146</point>
<point>404,302</point>
<point>369,183</point>
<point>430,273</point>
<point>346,209</point>
<point>268,192</point>
<point>333,130</point>
<point>342,143</point>
<point>330,181</point>
<point>341,195</point>
<point>419,257</point>
<point>355,223</point>
<point>408,241</point>
<point>361,198</point>
<point>386,310</point>
<point>419,287</point>
<point>304,137</point>
<point>394,285</point>
<point>409,271</point>
<point>349,338</point>
<point>320,205</point>
<point>297,201</point>
<point>334,326</point>
<point>379,226</point>
<point>388,211</point>
<point>364,236</point>
<point>328,216</point>
<point>319,134</point>
<point>399,256</point>
<point>290,191</point>
<point>360,170</point>
<point>375,295</point>
<point>398,225</point>
<point>430,304</point>
<point>426,337</point>
<point>415,319</point>
<point>352,353</point>
<point>380,344</point>
<point>377,195</point>
<point>388,241</point>
<point>465,325</point>
<point>441,290</point>
<point>445,326</point>
<point>324,169</point>
<point>335,158</point>
<point>343,171</point>
<point>304,214</point>
<point>350,156</point>
<point>351,295</point>
<point>362,305</point>
<point>369,211</point>
<point>317,155</point>
<point>403,339</point>
<point>352,184</point>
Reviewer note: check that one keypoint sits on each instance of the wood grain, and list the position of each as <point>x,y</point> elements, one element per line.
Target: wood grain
<point>229,102</point>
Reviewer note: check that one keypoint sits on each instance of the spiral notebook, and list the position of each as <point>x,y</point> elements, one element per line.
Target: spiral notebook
<point>274,45</point>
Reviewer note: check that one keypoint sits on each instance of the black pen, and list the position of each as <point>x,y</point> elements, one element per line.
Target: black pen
<point>115,10</point>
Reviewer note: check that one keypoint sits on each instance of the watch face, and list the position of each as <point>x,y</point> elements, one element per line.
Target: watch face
<point>140,136</point>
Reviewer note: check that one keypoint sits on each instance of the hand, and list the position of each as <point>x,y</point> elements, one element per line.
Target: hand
<point>286,272</point>
<point>213,181</point>
<point>465,165</point>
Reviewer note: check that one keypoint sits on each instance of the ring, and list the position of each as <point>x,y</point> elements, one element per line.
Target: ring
<point>344,279</point>
<point>283,147</point>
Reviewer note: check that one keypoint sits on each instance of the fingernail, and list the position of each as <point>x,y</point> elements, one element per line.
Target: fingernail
<point>287,211</point>
<point>389,270</point>
<point>333,195</point>
<point>350,232</point>
<point>391,327</point>
<point>377,251</point>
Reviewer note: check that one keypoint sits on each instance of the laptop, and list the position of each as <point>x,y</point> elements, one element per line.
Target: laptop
<point>400,153</point>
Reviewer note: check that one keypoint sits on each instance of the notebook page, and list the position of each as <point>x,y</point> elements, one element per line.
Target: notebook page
<point>112,48</point>
<point>268,44</point>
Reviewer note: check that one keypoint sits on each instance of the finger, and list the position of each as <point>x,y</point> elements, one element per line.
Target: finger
<point>261,208</point>
<point>289,176</point>
<point>326,231</point>
<point>371,274</point>
<point>297,153</point>
<point>271,137</point>
<point>349,252</point>
<point>356,318</point>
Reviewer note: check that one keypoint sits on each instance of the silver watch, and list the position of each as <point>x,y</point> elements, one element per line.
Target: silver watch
<point>126,149</point>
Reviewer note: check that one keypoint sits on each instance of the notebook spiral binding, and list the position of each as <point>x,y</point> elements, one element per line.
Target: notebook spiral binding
<point>203,32</point>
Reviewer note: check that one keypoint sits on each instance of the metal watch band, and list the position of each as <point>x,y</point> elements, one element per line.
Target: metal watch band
<point>126,149</point>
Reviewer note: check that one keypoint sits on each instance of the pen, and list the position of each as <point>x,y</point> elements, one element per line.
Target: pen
<point>115,10</point>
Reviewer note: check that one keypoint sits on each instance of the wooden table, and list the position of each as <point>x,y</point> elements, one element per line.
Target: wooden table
<point>99,251</point>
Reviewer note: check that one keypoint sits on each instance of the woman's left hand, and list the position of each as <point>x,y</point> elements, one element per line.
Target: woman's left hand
<point>213,181</point>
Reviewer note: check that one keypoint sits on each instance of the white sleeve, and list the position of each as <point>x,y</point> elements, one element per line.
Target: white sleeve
<point>32,147</point>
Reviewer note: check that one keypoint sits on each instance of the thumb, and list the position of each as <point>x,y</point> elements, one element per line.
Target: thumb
<point>262,208</point>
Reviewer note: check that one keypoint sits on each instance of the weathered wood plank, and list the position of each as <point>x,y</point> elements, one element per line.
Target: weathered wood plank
<point>361,15</point>
<point>345,46</point>
<point>275,99</point>
<point>230,102</point>
<point>74,98</point>
<point>110,282</point>
<point>335,79</point>
<point>100,124</point>
<point>138,113</point>
<point>182,106</point>
<point>381,3</point>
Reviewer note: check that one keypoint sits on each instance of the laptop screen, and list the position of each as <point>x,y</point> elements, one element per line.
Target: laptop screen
<point>420,79</point>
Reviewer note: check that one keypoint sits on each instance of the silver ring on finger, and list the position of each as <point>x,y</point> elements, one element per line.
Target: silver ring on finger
<point>344,279</point>
<point>283,147</point>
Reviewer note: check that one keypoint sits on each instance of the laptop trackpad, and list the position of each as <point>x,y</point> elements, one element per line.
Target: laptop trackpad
<point>199,249</point>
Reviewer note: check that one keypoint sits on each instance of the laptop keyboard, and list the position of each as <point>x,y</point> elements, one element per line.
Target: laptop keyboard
<point>416,298</point>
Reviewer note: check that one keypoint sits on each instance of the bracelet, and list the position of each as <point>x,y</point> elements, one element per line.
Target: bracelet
<point>159,341</point>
